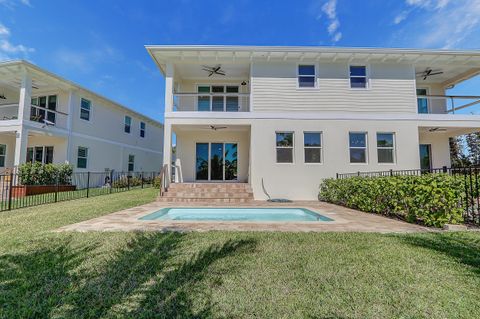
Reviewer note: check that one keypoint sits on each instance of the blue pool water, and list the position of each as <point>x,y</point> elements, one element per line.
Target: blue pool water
<point>237,214</point>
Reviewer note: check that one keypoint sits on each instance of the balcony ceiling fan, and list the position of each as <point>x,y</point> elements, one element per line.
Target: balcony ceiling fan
<point>437,129</point>
<point>428,72</point>
<point>215,128</point>
<point>213,70</point>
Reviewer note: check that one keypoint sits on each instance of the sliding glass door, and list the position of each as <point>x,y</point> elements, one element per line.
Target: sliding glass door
<point>216,162</point>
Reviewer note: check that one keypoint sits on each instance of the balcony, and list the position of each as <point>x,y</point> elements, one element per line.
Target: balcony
<point>45,116</point>
<point>211,102</point>
<point>448,104</point>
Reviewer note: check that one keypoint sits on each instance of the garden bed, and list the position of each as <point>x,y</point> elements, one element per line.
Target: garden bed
<point>27,190</point>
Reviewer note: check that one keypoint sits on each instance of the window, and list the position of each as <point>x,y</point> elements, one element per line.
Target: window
<point>386,147</point>
<point>3,153</point>
<point>306,76</point>
<point>82,156</point>
<point>131,163</point>
<point>218,98</point>
<point>41,154</point>
<point>358,147</point>
<point>128,124</point>
<point>85,106</point>
<point>142,129</point>
<point>204,100</point>
<point>358,77</point>
<point>43,109</point>
<point>284,144</point>
<point>422,102</point>
<point>312,142</point>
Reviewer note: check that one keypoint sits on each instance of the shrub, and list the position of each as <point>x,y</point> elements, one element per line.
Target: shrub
<point>157,181</point>
<point>123,182</point>
<point>434,199</point>
<point>44,174</point>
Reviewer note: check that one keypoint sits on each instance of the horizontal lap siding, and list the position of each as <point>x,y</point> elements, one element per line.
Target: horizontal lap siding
<point>392,90</point>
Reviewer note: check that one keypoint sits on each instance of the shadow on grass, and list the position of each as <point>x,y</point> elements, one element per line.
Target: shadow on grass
<point>463,247</point>
<point>149,278</point>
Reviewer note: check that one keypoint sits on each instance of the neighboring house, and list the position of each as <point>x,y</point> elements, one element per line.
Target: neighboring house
<point>44,118</point>
<point>295,115</point>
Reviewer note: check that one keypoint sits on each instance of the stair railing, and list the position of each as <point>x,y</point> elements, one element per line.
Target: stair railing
<point>163,179</point>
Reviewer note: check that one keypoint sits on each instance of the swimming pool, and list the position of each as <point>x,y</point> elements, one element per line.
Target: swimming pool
<point>265,214</point>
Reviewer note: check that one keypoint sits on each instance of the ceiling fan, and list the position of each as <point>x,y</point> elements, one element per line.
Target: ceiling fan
<point>215,128</point>
<point>213,70</point>
<point>437,129</point>
<point>428,72</point>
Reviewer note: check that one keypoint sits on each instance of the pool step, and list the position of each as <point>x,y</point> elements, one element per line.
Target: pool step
<point>208,192</point>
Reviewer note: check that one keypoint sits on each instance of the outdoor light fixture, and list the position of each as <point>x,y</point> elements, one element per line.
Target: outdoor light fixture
<point>244,83</point>
<point>3,97</point>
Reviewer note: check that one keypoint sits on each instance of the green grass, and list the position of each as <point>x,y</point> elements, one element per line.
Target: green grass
<point>227,274</point>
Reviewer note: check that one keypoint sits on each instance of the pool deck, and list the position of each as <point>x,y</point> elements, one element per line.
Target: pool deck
<point>345,220</point>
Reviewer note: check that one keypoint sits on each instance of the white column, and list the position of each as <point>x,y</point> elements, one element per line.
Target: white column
<point>169,74</point>
<point>21,138</point>
<point>25,99</point>
<point>167,146</point>
<point>72,99</point>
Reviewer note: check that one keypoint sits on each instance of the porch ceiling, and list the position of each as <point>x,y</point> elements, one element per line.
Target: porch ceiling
<point>450,131</point>
<point>195,70</point>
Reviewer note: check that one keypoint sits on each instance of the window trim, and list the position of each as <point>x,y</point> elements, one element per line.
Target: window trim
<point>129,125</point>
<point>44,153</point>
<point>285,147</point>
<point>393,148</point>
<point>90,112</point>
<point>315,86</point>
<point>131,162</point>
<point>367,76</point>
<point>366,148</point>
<point>313,147</point>
<point>4,155</point>
<point>144,130</point>
<point>85,157</point>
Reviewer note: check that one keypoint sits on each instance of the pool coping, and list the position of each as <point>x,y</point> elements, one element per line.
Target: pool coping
<point>344,220</point>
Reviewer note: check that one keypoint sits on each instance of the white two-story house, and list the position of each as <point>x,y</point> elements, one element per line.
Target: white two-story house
<point>45,118</point>
<point>292,116</point>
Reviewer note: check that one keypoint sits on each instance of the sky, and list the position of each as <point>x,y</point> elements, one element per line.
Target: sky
<point>100,44</point>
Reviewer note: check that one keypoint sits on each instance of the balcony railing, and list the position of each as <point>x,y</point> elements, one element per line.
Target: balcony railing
<point>446,104</point>
<point>38,114</point>
<point>211,102</point>
<point>8,112</point>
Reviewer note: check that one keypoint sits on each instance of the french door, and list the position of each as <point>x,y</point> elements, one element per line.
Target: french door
<point>216,162</point>
<point>425,156</point>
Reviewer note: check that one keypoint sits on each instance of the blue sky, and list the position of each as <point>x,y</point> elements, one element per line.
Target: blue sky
<point>100,44</point>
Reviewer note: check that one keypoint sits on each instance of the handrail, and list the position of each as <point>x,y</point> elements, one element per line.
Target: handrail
<point>48,110</point>
<point>163,182</point>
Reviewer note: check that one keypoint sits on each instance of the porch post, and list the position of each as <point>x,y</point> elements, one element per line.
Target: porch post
<point>25,99</point>
<point>167,148</point>
<point>21,137</point>
<point>169,74</point>
<point>72,97</point>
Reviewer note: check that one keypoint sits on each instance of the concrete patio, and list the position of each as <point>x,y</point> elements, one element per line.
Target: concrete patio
<point>345,220</point>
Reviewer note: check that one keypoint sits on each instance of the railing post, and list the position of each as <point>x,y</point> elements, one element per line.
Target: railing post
<point>128,181</point>
<point>337,176</point>
<point>141,176</point>
<point>56,188</point>
<point>391,172</point>
<point>358,173</point>
<point>111,180</point>
<point>88,184</point>
<point>10,191</point>
<point>444,169</point>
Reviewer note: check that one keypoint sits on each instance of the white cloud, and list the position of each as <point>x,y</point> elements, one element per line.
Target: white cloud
<point>329,8</point>
<point>8,50</point>
<point>11,4</point>
<point>440,23</point>
<point>4,31</point>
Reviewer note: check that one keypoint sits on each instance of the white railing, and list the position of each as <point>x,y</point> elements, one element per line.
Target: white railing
<point>445,104</point>
<point>36,114</point>
<point>8,112</point>
<point>211,102</point>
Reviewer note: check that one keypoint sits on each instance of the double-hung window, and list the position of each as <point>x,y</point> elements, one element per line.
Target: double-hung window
<point>386,147</point>
<point>142,129</point>
<point>312,142</point>
<point>131,163</point>
<point>358,77</point>
<point>3,154</point>
<point>82,157</point>
<point>358,147</point>
<point>85,106</point>
<point>284,146</point>
<point>128,124</point>
<point>306,76</point>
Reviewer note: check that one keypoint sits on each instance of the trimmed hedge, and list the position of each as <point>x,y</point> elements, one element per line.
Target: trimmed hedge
<point>432,199</point>
<point>44,174</point>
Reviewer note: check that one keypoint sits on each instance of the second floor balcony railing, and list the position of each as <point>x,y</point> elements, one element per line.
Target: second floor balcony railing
<point>38,114</point>
<point>448,104</point>
<point>211,102</point>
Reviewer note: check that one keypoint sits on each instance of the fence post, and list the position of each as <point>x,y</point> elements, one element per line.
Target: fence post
<point>444,169</point>
<point>141,176</point>
<point>358,173</point>
<point>56,188</point>
<point>88,184</point>
<point>391,172</point>
<point>337,175</point>
<point>10,191</point>
<point>128,181</point>
<point>111,180</point>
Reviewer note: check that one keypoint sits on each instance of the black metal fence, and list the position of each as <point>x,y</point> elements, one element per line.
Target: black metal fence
<point>14,194</point>
<point>469,177</point>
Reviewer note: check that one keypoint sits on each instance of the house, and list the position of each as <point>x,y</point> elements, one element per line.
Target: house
<point>288,117</point>
<point>45,118</point>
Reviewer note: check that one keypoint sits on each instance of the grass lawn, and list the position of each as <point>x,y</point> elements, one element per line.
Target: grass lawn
<point>227,274</point>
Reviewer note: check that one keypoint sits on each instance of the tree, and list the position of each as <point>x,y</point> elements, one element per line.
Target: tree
<point>473,147</point>
<point>457,152</point>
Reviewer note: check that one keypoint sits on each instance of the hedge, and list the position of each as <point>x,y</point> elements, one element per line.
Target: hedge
<point>431,199</point>
<point>44,174</point>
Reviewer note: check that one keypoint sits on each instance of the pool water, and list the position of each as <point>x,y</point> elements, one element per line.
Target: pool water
<point>237,214</point>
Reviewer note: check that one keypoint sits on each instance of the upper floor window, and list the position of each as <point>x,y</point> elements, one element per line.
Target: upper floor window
<point>43,109</point>
<point>284,145</point>
<point>142,129</point>
<point>386,147</point>
<point>218,98</point>
<point>306,76</point>
<point>41,154</point>
<point>312,142</point>
<point>422,102</point>
<point>358,77</point>
<point>131,163</point>
<point>82,157</point>
<point>85,106</point>
<point>3,154</point>
<point>358,147</point>
<point>128,124</point>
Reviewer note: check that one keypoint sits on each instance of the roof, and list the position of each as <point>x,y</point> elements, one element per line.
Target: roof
<point>47,78</point>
